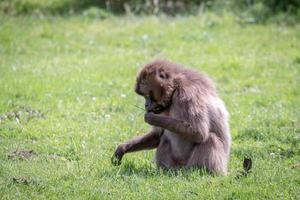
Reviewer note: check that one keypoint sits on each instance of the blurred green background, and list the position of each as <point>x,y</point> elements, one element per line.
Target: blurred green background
<point>67,72</point>
<point>258,10</point>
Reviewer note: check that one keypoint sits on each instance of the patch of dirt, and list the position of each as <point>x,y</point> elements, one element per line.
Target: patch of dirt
<point>296,166</point>
<point>22,180</point>
<point>21,154</point>
<point>26,180</point>
<point>57,157</point>
<point>23,113</point>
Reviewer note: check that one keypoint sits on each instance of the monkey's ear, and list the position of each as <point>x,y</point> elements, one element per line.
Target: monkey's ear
<point>163,75</point>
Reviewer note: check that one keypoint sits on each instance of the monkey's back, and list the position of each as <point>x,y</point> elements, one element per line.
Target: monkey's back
<point>195,99</point>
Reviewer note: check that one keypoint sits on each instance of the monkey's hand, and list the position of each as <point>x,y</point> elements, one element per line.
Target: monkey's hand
<point>117,157</point>
<point>153,119</point>
<point>150,118</point>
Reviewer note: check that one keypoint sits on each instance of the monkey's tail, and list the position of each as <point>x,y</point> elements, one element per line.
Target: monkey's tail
<point>247,165</point>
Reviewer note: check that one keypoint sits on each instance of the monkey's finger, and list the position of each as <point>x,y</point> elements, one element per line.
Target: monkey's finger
<point>115,160</point>
<point>148,117</point>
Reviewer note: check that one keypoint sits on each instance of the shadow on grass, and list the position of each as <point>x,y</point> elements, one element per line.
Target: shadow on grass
<point>149,170</point>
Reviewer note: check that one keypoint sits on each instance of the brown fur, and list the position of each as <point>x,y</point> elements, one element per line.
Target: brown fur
<point>190,121</point>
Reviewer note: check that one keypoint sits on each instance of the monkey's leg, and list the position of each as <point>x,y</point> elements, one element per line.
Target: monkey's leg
<point>197,132</point>
<point>209,155</point>
<point>147,141</point>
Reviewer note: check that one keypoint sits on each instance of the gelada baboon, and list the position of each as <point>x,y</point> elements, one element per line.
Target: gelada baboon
<point>190,121</point>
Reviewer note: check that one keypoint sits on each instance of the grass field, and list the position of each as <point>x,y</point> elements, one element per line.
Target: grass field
<point>66,92</point>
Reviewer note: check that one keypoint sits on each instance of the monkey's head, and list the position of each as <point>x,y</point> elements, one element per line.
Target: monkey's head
<point>155,82</point>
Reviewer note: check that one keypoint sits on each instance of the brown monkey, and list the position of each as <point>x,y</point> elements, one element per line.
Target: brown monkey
<point>190,121</point>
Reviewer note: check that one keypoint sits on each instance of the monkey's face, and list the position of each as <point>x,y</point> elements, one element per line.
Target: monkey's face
<point>156,86</point>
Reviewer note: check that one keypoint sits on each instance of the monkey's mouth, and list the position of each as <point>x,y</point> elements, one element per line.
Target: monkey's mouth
<point>158,109</point>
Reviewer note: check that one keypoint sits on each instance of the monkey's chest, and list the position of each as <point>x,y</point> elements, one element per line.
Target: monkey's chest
<point>173,150</point>
<point>179,146</point>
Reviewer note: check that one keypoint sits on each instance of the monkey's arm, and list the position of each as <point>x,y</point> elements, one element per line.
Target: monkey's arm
<point>196,133</point>
<point>148,141</point>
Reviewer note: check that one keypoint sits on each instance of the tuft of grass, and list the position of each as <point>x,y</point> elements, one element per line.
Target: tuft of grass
<point>67,85</point>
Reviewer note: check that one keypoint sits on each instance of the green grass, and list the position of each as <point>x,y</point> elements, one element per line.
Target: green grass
<point>71,80</point>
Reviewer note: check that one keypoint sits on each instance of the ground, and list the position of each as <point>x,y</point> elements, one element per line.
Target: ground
<point>67,100</point>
